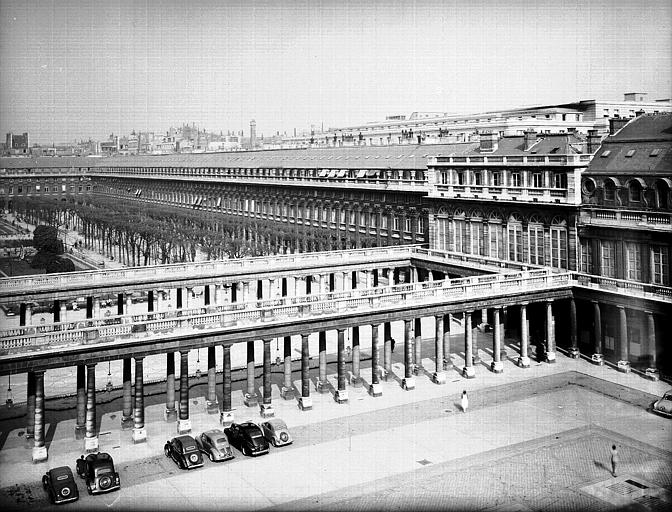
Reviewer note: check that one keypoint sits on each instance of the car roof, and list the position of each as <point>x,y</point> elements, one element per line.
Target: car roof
<point>215,432</point>
<point>186,440</point>
<point>277,423</point>
<point>60,471</point>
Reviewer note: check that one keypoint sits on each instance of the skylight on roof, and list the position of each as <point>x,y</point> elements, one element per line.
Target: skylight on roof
<point>605,154</point>
<point>655,152</point>
<point>630,153</point>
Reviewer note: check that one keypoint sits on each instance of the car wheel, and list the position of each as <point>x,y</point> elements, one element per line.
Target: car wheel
<point>88,489</point>
<point>244,451</point>
<point>284,437</point>
<point>166,451</point>
<point>180,464</point>
<point>44,482</point>
<point>211,457</point>
<point>105,483</point>
<point>274,442</point>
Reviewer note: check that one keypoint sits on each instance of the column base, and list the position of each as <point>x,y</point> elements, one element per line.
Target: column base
<point>652,374</point>
<point>266,410</point>
<point>80,432</point>
<point>170,415</point>
<point>226,418</point>
<point>251,400</point>
<point>40,454</point>
<point>126,422</point>
<point>356,382</point>
<point>497,367</point>
<point>305,403</point>
<point>211,407</point>
<point>91,444</point>
<point>550,357</point>
<point>139,435</point>
<point>375,390</point>
<point>597,359</point>
<point>623,366</point>
<point>439,377</point>
<point>523,362</point>
<point>287,393</point>
<point>385,375</point>
<point>447,365</point>
<point>476,360</point>
<point>574,353</point>
<point>322,386</point>
<point>408,383</point>
<point>341,396</point>
<point>183,426</point>
<point>468,372</point>
<point>417,369</point>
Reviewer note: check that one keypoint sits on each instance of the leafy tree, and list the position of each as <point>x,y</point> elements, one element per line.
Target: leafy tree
<point>60,264</point>
<point>45,239</point>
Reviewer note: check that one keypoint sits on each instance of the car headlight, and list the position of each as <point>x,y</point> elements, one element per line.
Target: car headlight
<point>193,458</point>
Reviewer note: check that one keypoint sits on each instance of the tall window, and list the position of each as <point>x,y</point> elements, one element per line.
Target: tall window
<point>609,190</point>
<point>537,180</point>
<point>395,223</point>
<point>608,260</point>
<point>558,247</point>
<point>586,256</point>
<point>515,242</point>
<point>495,241</point>
<point>444,178</point>
<point>460,177</point>
<point>634,261</point>
<point>477,178</point>
<point>421,225</point>
<point>407,224</point>
<point>384,221</point>
<point>515,179</point>
<point>476,237</point>
<point>559,180</point>
<point>536,241</point>
<point>460,235</point>
<point>496,178</point>
<point>659,265</point>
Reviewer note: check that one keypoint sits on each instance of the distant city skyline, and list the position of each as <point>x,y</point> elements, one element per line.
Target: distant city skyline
<point>79,69</point>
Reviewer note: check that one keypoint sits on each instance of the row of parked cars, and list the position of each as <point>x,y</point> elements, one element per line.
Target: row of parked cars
<point>97,469</point>
<point>248,437</point>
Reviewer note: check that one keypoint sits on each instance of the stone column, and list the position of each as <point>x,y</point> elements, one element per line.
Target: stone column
<point>497,366</point>
<point>91,439</point>
<point>246,292</point>
<point>484,317</point>
<point>96,306</point>
<point>439,375</point>
<point>341,393</point>
<point>597,357</point>
<point>63,312</point>
<point>474,339</point>
<point>447,320</point>
<point>129,304</point>
<point>305,402</point>
<point>184,423</point>
<point>120,304</point>
<point>30,406</point>
<point>39,449</point>
<point>356,377</point>
<point>323,385</point>
<point>206,295</point>
<point>417,359</point>
<point>573,331</point>
<point>287,391</point>
<point>212,407</point>
<point>266,409</point>
<point>550,333</point>
<point>80,425</point>
<point>468,371</point>
<point>524,360</point>
<point>651,372</point>
<point>375,387</point>
<point>408,382</point>
<point>226,416</point>
<point>217,294</point>
<point>170,413</point>
<point>127,398</point>
<point>387,354</point>
<point>623,364</point>
<point>139,430</point>
<point>251,399</point>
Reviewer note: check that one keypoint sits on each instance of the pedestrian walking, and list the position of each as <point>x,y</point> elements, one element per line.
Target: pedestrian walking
<point>392,342</point>
<point>465,401</point>
<point>614,459</point>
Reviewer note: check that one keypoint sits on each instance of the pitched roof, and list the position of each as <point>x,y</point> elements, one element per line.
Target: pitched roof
<point>643,146</point>
<point>362,157</point>
<point>546,143</point>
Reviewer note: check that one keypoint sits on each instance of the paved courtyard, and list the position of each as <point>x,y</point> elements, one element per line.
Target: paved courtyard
<point>535,439</point>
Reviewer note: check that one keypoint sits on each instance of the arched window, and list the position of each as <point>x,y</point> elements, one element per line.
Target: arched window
<point>609,190</point>
<point>634,192</point>
<point>662,190</point>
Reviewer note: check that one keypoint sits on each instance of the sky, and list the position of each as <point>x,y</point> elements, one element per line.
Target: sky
<point>73,69</point>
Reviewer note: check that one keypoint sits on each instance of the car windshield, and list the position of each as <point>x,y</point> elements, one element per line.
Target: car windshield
<point>221,441</point>
<point>62,477</point>
<point>102,471</point>
<point>189,448</point>
<point>255,435</point>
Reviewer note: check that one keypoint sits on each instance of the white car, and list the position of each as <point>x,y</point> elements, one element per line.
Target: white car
<point>276,432</point>
<point>663,406</point>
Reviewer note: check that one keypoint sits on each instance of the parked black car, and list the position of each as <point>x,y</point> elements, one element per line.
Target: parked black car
<point>184,451</point>
<point>97,470</point>
<point>247,437</point>
<point>60,484</point>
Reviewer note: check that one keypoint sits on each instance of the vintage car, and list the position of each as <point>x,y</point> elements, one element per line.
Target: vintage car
<point>247,437</point>
<point>663,406</point>
<point>215,445</point>
<point>60,485</point>
<point>97,470</point>
<point>275,430</point>
<point>184,451</point>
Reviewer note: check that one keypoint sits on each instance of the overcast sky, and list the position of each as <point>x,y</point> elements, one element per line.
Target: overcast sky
<point>77,69</point>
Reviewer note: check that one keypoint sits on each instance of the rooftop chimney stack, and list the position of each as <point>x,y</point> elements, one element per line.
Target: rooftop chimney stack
<point>530,139</point>
<point>253,134</point>
<point>488,142</point>
<point>594,140</point>
<point>616,123</point>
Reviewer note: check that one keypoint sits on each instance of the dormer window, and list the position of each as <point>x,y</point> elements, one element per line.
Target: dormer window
<point>655,152</point>
<point>630,153</point>
<point>605,154</point>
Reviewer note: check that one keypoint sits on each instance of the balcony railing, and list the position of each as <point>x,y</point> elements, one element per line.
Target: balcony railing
<point>626,218</point>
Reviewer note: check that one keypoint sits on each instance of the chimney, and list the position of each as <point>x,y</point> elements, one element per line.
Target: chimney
<point>639,112</point>
<point>488,142</point>
<point>594,140</point>
<point>616,123</point>
<point>530,139</point>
